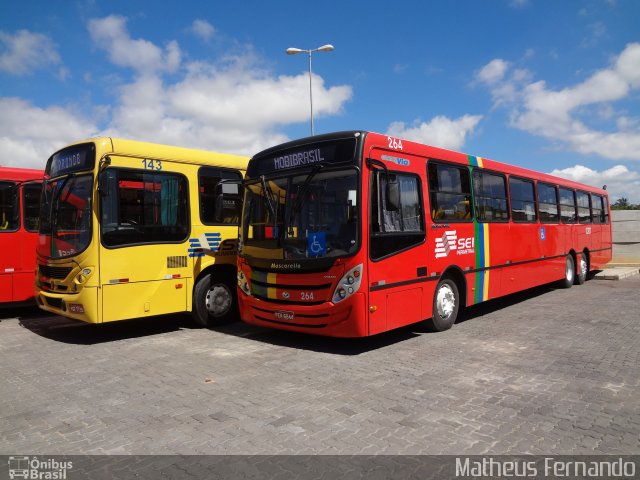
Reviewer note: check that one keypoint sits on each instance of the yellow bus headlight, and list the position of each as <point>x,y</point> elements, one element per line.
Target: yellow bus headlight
<point>84,275</point>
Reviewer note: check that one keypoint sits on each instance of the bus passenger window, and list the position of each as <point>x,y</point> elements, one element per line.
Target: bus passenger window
<point>142,207</point>
<point>9,207</point>
<point>567,205</point>
<point>490,197</point>
<point>523,203</point>
<point>584,207</point>
<point>450,193</point>
<point>208,180</point>
<point>31,201</point>
<point>548,203</point>
<point>596,205</point>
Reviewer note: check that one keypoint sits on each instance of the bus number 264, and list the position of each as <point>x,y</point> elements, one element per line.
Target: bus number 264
<point>394,143</point>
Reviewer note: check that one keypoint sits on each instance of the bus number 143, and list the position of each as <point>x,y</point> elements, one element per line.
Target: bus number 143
<point>152,164</point>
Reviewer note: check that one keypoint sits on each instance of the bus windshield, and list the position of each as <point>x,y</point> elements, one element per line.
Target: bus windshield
<point>306,215</point>
<point>65,226</point>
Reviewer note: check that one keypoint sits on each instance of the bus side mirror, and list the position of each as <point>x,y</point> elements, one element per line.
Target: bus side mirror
<point>393,196</point>
<point>224,189</point>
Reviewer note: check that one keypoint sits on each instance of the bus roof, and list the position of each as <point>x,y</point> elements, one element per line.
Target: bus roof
<point>157,151</point>
<point>20,174</point>
<point>437,153</point>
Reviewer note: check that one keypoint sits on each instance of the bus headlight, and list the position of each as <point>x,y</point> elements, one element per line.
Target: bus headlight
<point>82,276</point>
<point>348,284</point>
<point>243,283</point>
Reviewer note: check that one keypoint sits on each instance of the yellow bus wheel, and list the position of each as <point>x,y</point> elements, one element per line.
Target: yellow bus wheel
<point>214,301</point>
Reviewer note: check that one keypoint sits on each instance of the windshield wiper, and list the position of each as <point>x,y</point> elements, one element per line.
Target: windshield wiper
<point>301,196</point>
<point>271,201</point>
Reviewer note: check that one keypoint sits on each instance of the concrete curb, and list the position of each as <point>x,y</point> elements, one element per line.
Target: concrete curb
<point>617,273</point>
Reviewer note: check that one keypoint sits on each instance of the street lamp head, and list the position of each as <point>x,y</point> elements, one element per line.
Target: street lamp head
<point>293,51</point>
<point>325,48</point>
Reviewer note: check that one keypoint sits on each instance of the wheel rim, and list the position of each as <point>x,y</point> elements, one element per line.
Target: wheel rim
<point>218,300</point>
<point>445,302</point>
<point>583,266</point>
<point>569,270</point>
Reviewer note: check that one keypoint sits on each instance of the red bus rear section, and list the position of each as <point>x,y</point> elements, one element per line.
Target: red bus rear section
<point>355,233</point>
<point>20,190</point>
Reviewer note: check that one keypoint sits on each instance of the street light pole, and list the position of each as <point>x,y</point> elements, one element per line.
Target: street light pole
<point>293,51</point>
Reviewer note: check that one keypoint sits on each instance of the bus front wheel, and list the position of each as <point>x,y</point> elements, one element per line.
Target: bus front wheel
<point>214,301</point>
<point>446,304</point>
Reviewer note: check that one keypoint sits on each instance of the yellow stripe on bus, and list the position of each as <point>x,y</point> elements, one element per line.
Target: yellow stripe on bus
<point>487,263</point>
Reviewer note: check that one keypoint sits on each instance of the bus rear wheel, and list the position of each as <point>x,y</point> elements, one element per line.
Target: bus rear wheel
<point>214,301</point>
<point>583,269</point>
<point>569,272</point>
<point>446,304</point>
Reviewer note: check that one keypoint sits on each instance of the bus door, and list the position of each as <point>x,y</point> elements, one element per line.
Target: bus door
<point>397,265</point>
<point>144,223</point>
<point>27,242</point>
<point>9,224</point>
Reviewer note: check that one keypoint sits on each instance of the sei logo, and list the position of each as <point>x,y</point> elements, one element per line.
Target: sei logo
<point>450,242</point>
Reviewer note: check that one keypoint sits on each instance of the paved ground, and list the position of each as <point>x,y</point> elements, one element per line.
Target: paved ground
<point>549,371</point>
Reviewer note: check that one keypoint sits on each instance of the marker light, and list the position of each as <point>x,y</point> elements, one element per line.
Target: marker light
<point>348,284</point>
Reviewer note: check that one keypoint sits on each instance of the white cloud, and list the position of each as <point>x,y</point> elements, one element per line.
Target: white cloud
<point>202,29</point>
<point>29,134</point>
<point>493,71</point>
<point>231,106</point>
<point>620,181</point>
<point>234,106</point>
<point>234,109</point>
<point>24,52</point>
<point>559,115</point>
<point>110,33</point>
<point>440,131</point>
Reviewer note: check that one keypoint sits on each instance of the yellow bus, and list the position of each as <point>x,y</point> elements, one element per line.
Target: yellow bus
<point>133,229</point>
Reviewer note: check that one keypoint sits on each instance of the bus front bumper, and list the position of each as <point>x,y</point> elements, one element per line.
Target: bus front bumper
<point>346,319</point>
<point>81,306</point>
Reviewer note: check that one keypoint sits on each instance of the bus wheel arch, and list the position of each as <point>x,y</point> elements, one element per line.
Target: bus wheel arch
<point>449,298</point>
<point>582,267</point>
<point>215,299</point>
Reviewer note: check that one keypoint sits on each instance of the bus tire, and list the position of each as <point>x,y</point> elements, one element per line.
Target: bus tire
<point>214,301</point>
<point>583,269</point>
<point>569,272</point>
<point>446,304</point>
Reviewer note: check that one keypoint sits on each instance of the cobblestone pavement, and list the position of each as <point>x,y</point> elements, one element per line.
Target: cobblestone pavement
<point>546,371</point>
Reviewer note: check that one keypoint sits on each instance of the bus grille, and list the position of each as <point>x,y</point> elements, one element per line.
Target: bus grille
<point>59,273</point>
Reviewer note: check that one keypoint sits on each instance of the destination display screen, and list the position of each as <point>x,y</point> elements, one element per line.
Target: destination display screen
<point>73,159</point>
<point>330,152</point>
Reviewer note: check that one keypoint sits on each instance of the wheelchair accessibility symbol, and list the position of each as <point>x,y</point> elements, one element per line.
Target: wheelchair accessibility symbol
<point>316,244</point>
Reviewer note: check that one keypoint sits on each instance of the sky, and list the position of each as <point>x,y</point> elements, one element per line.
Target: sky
<point>544,84</point>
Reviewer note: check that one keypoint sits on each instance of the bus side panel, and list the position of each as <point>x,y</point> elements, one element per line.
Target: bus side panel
<point>523,247</point>
<point>23,286</point>
<point>143,299</point>
<point>6,287</point>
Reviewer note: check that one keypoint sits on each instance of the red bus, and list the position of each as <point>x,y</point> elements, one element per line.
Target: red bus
<point>19,219</point>
<point>354,233</point>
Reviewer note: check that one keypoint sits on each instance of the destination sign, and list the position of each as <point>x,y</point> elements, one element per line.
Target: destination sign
<point>304,155</point>
<point>72,159</point>
<point>297,159</point>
